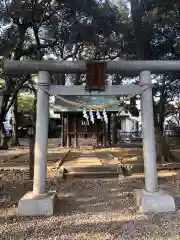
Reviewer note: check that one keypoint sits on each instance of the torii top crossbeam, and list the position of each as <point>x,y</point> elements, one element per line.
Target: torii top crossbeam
<point>56,66</point>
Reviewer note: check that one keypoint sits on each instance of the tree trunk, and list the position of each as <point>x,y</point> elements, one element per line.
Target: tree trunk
<point>162,107</point>
<point>77,79</point>
<point>31,156</point>
<point>6,92</point>
<point>164,153</point>
<point>4,145</point>
<point>4,98</point>
<point>15,141</point>
<point>163,150</point>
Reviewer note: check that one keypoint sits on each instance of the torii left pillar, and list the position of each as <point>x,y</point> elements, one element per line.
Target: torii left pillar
<point>39,202</point>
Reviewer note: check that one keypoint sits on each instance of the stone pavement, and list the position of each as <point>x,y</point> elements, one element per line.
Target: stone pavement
<point>83,159</point>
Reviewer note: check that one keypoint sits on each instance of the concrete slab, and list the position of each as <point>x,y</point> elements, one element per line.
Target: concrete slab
<point>37,205</point>
<point>156,202</point>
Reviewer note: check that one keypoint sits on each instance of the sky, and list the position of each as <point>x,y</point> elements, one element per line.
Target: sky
<point>114,1</point>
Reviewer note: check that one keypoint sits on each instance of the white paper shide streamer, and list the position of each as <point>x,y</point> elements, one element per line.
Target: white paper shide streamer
<point>89,116</point>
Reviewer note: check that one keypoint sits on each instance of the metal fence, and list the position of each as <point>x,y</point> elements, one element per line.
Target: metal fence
<point>132,136</point>
<point>171,136</point>
<point>172,133</point>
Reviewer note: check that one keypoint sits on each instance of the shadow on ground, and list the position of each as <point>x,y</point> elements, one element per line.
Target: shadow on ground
<point>94,209</point>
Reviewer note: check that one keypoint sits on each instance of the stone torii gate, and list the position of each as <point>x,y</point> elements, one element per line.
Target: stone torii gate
<point>149,199</point>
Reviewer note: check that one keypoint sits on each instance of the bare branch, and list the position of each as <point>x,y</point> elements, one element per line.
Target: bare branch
<point>77,47</point>
<point>33,48</point>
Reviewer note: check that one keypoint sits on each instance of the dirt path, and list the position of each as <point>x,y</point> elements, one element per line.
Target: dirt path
<point>93,210</point>
<point>88,209</point>
<point>19,158</point>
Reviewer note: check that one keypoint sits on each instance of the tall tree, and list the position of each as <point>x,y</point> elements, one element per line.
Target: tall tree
<point>33,33</point>
<point>146,34</point>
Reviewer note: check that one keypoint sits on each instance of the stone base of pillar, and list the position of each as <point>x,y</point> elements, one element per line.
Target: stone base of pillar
<point>153,202</point>
<point>37,205</point>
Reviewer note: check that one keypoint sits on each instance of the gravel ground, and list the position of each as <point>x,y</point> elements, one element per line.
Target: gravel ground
<point>92,209</point>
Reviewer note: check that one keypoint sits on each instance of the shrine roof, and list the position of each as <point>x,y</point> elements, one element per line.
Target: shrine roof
<point>61,106</point>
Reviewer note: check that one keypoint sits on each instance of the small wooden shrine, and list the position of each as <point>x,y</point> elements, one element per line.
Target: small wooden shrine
<point>75,126</point>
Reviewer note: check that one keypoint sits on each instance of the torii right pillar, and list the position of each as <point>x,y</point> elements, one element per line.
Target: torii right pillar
<point>150,199</point>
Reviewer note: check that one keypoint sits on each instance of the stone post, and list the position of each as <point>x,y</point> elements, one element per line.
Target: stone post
<point>62,130</point>
<point>39,202</point>
<point>149,148</point>
<point>67,132</point>
<point>75,132</point>
<point>41,139</point>
<point>109,129</point>
<point>114,133</point>
<point>104,135</point>
<point>31,156</point>
<point>151,199</point>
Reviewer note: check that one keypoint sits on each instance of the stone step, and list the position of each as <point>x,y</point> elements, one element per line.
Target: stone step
<point>87,155</point>
<point>91,172</point>
<point>86,158</point>
<point>88,147</point>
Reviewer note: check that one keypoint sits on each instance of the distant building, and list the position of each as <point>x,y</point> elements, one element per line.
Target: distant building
<point>128,124</point>
<point>8,121</point>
